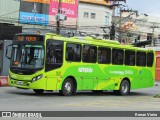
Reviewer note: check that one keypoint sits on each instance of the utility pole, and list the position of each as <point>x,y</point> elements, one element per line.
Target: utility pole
<point>152,34</point>
<point>112,29</point>
<point>113,26</point>
<point>58,20</point>
<point>153,31</point>
<point>120,22</point>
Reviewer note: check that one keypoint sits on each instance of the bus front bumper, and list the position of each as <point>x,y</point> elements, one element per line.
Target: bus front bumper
<point>39,84</point>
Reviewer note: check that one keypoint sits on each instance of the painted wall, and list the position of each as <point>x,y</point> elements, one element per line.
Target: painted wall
<point>158,65</point>
<point>43,12</point>
<point>100,12</point>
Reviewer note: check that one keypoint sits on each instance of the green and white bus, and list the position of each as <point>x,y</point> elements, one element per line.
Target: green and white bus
<point>52,62</point>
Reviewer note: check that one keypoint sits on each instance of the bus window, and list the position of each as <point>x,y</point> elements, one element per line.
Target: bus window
<point>89,54</point>
<point>141,59</point>
<point>129,58</point>
<point>150,59</point>
<point>73,52</point>
<point>54,54</point>
<point>117,56</point>
<point>104,55</point>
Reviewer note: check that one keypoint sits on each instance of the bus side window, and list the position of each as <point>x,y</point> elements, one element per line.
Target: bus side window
<point>54,54</point>
<point>58,56</point>
<point>50,55</point>
<point>117,56</point>
<point>92,54</point>
<point>73,52</point>
<point>85,57</point>
<point>141,59</point>
<point>120,57</point>
<point>150,58</point>
<point>89,54</point>
<point>104,55</point>
<point>114,58</point>
<point>129,58</point>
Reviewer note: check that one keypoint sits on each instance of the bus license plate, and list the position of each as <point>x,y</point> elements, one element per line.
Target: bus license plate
<point>19,83</point>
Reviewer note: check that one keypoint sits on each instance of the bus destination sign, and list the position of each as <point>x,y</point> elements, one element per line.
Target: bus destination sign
<point>29,38</point>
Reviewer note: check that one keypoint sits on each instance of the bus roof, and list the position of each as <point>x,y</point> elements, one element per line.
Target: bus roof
<point>87,40</point>
<point>99,42</point>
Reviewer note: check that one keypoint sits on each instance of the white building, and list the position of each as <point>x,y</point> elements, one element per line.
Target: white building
<point>93,15</point>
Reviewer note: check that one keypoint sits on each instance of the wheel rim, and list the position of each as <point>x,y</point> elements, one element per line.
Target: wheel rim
<point>124,88</point>
<point>68,87</point>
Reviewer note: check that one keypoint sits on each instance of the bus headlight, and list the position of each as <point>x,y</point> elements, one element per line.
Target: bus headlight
<point>37,78</point>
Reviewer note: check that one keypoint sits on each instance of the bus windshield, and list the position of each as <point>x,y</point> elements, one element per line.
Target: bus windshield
<point>27,56</point>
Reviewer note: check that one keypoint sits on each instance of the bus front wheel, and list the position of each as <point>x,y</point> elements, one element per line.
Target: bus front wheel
<point>124,88</point>
<point>38,91</point>
<point>67,87</point>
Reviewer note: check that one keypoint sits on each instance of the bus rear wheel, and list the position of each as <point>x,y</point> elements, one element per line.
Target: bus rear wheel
<point>67,87</point>
<point>38,91</point>
<point>124,88</point>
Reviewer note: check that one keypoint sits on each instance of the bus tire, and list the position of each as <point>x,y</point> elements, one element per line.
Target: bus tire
<point>38,91</point>
<point>67,87</point>
<point>125,87</point>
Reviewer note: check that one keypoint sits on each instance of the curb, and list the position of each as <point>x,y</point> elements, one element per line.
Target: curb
<point>3,81</point>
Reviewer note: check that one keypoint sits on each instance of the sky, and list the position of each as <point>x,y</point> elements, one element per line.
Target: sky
<point>149,7</point>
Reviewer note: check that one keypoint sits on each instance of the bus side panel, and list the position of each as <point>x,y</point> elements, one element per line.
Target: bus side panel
<point>53,77</point>
<point>104,81</point>
<point>143,79</point>
<point>88,76</point>
<point>105,77</point>
<point>71,69</point>
<point>139,77</point>
<point>51,83</point>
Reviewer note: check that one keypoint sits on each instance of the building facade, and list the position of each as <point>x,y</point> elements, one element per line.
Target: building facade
<point>91,16</point>
<point>94,14</point>
<point>138,27</point>
<point>9,11</point>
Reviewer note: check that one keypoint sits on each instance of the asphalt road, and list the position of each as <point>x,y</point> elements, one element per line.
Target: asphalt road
<point>17,99</point>
<point>13,99</point>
